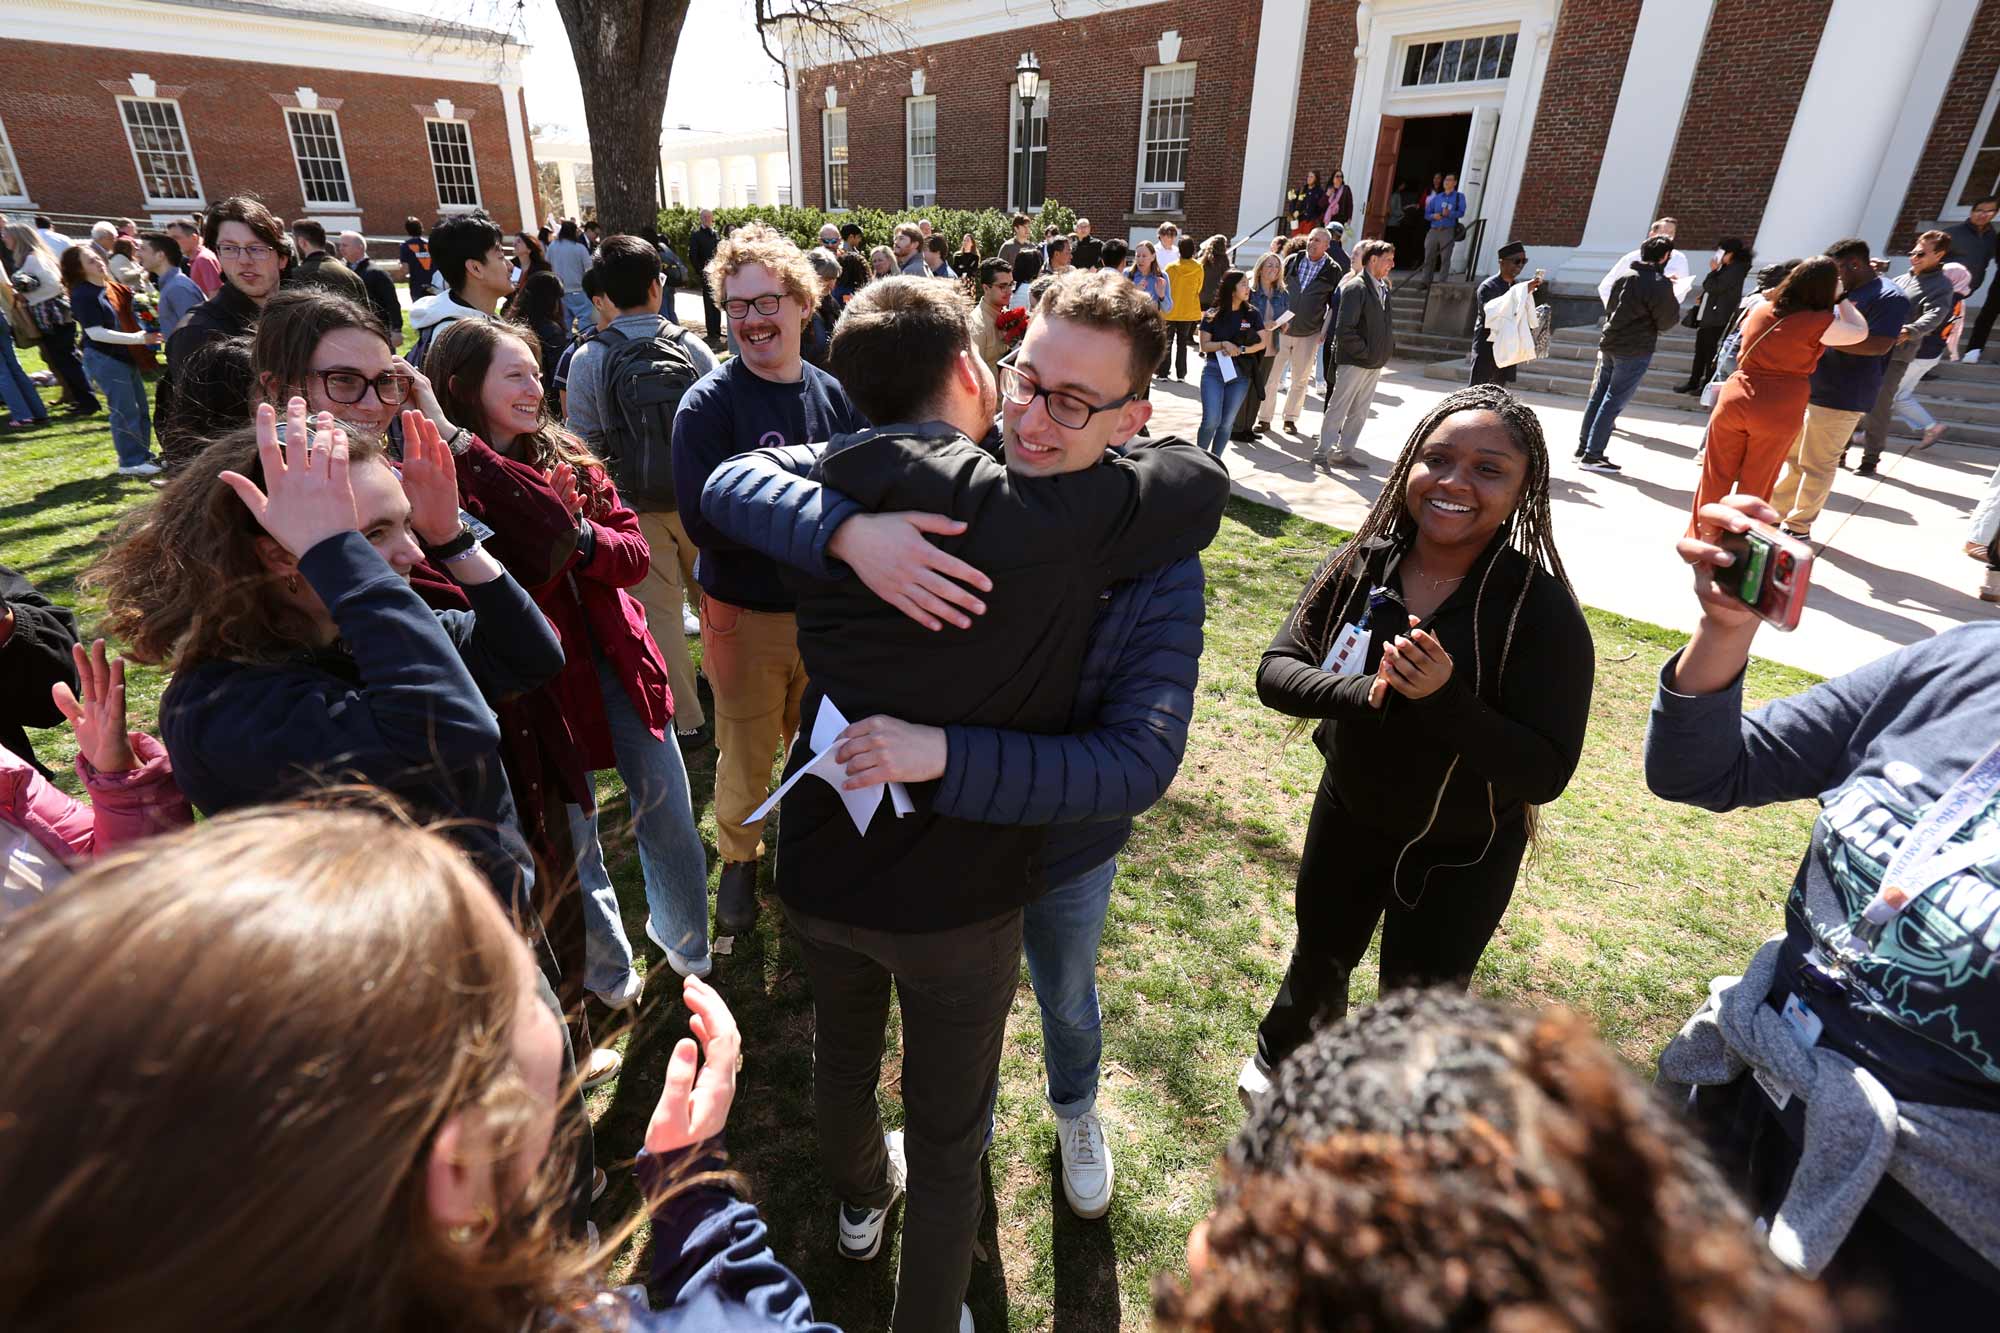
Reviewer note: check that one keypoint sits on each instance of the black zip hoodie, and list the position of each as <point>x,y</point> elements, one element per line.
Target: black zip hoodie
<point>1522,732</point>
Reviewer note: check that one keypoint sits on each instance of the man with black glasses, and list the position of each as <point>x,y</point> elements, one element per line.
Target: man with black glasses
<point>1086,621</point>
<point>249,242</point>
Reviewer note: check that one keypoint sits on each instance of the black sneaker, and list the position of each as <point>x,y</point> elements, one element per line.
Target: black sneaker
<point>1578,453</point>
<point>1600,465</point>
<point>736,898</point>
<point>1867,469</point>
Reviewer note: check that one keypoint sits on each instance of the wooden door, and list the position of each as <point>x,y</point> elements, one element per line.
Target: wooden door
<point>1382,179</point>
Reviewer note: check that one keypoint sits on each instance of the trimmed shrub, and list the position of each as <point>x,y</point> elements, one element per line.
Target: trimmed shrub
<point>989,226</point>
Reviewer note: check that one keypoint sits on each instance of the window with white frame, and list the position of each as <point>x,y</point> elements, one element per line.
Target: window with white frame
<point>321,161</point>
<point>1459,60</point>
<point>1165,129</point>
<point>833,134</point>
<point>1979,175</point>
<point>13,190</point>
<point>452,166</point>
<point>920,151</point>
<point>160,150</point>
<point>1028,151</point>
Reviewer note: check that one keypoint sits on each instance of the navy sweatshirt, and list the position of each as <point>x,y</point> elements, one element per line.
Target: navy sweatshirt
<point>1134,699</point>
<point>730,411</point>
<point>1875,748</point>
<point>400,702</point>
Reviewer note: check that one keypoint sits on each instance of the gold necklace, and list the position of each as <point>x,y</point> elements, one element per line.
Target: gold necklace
<point>1436,583</point>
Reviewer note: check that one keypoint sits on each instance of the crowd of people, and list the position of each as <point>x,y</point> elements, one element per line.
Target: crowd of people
<point>949,585</point>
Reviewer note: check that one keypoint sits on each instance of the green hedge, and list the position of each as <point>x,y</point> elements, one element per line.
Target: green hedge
<point>989,226</point>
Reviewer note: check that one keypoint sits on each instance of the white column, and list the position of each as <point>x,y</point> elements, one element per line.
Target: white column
<point>1274,107</point>
<point>726,166</point>
<point>1666,44</point>
<point>772,168</point>
<point>1913,128</point>
<point>517,147</point>
<point>566,180</point>
<point>792,130</point>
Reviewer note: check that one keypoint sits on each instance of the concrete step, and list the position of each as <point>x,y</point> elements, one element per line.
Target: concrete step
<point>1970,392</point>
<point>1972,424</point>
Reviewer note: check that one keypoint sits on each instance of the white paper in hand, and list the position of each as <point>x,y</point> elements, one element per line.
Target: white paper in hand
<point>861,805</point>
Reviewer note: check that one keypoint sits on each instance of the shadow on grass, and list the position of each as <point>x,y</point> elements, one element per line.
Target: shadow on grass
<point>68,493</point>
<point>1086,1289</point>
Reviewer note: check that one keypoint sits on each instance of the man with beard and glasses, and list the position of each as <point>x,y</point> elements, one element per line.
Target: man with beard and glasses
<point>765,396</point>
<point>1084,558</point>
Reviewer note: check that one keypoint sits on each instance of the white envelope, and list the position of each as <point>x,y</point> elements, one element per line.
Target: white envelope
<point>861,805</point>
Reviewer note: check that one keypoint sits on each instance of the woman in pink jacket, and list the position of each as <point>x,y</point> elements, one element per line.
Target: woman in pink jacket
<point>43,829</point>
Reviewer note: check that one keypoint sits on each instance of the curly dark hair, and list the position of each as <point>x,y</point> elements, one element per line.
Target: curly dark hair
<point>1439,1162</point>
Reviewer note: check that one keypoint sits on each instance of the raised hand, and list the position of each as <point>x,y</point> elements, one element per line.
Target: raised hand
<point>430,480</point>
<point>306,497</point>
<point>424,396</point>
<point>98,719</point>
<point>700,1085</point>
<point>1701,549</point>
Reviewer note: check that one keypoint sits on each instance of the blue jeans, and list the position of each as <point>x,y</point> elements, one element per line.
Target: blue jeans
<point>607,953</point>
<point>670,851</point>
<point>16,389</point>
<point>124,391</point>
<point>576,311</point>
<point>1616,381</point>
<point>1219,405</point>
<point>1059,933</point>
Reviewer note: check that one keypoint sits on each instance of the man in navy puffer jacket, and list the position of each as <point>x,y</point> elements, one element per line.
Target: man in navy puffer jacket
<point>1127,730</point>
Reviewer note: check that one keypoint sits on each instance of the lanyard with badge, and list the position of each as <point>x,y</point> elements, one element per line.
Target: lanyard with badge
<point>1921,862</point>
<point>1349,654</point>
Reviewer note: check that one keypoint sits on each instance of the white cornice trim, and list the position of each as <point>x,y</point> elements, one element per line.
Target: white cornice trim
<point>919,23</point>
<point>296,43</point>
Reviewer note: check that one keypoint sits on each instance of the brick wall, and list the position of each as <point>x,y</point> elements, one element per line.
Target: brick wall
<point>1326,88</point>
<point>66,132</point>
<point>1956,125</point>
<point>1095,68</point>
<point>1587,57</point>
<point>1739,115</point>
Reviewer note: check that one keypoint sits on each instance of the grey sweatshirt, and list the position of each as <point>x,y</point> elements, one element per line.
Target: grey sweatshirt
<point>1919,1016</point>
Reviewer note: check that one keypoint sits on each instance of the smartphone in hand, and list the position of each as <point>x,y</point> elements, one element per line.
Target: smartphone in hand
<point>1770,574</point>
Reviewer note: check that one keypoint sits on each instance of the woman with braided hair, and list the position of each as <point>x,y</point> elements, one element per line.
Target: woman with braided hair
<point>1449,668</point>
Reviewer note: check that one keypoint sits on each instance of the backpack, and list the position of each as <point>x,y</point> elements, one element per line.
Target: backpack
<point>644,380</point>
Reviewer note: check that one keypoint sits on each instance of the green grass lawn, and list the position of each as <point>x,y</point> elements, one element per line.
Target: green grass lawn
<point>1626,910</point>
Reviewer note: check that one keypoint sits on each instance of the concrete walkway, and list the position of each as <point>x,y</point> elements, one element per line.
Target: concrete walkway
<point>1891,570</point>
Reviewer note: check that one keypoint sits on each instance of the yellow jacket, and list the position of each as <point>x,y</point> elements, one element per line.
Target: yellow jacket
<point>1184,287</point>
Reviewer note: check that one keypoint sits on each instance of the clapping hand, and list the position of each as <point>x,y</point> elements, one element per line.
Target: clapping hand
<point>563,478</point>
<point>1413,665</point>
<point>430,480</point>
<point>98,719</point>
<point>306,497</point>
<point>700,1085</point>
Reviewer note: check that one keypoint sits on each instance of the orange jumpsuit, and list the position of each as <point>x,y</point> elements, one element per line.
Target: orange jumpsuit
<point>1761,407</point>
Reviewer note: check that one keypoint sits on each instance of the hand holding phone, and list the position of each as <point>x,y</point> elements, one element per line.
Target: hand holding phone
<point>1744,566</point>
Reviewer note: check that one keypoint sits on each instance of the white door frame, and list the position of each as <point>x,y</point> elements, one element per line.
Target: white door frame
<point>1385,26</point>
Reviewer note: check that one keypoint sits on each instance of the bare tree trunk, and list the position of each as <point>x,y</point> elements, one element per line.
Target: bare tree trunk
<point>624,51</point>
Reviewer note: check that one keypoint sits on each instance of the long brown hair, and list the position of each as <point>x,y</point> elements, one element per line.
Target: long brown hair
<point>245,1038</point>
<point>289,330</point>
<point>1813,285</point>
<point>456,365</point>
<point>183,580</point>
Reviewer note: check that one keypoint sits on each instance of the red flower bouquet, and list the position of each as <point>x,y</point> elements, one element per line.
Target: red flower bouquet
<point>1011,323</point>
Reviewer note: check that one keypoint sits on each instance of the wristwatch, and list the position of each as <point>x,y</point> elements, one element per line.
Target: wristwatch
<point>464,540</point>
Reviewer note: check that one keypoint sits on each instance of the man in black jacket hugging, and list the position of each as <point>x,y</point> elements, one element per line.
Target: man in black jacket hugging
<point>932,901</point>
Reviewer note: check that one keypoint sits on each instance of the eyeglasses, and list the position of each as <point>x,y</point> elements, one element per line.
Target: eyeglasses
<point>347,387</point>
<point>1006,286</point>
<point>257,253</point>
<point>767,304</point>
<point>1065,409</point>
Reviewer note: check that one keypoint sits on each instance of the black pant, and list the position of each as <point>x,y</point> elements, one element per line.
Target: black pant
<point>59,351</point>
<point>712,313</point>
<point>1344,889</point>
<point>1706,341</point>
<point>1484,369</point>
<point>1897,1250</point>
<point>954,988</point>
<point>1180,337</point>
<point>1984,324</point>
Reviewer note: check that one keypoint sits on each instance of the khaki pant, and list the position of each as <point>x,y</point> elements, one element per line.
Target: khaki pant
<point>1808,477</point>
<point>751,659</point>
<point>1299,354</point>
<point>663,593</point>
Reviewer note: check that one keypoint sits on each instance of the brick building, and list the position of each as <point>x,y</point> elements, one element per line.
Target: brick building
<point>351,113</point>
<point>1571,123</point>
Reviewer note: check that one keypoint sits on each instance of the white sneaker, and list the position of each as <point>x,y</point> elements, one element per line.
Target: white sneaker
<point>1086,1164</point>
<point>602,1067</point>
<point>140,470</point>
<point>965,1319</point>
<point>690,624</point>
<point>1252,1081</point>
<point>861,1228</point>
<point>680,962</point>
<point>1971,358</point>
<point>623,996</point>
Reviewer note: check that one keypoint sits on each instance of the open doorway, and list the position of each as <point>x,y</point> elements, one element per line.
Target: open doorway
<point>1430,146</point>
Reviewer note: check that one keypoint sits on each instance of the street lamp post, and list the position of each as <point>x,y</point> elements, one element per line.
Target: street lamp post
<point>1027,82</point>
